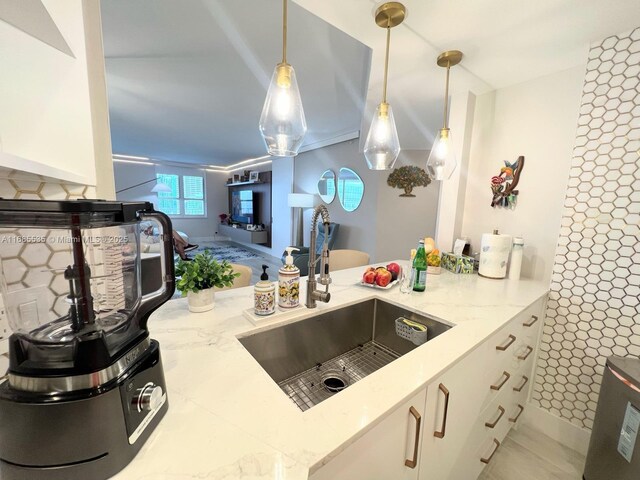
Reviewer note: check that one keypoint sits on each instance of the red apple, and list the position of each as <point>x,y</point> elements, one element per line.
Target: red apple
<point>369,277</point>
<point>395,270</point>
<point>383,278</point>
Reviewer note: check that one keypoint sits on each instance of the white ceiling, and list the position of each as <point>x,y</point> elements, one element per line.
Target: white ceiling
<point>187,79</point>
<point>505,42</point>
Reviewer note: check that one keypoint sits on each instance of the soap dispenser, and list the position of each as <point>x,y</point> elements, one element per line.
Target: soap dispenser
<point>289,282</point>
<point>264,294</point>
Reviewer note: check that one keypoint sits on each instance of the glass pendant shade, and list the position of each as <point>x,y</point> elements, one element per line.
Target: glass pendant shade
<point>442,158</point>
<point>382,146</point>
<point>282,123</point>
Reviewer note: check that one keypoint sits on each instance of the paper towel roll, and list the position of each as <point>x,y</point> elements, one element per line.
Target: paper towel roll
<point>494,255</point>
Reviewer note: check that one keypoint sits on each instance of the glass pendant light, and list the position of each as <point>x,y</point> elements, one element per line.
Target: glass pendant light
<point>382,146</point>
<point>442,158</point>
<point>282,123</point>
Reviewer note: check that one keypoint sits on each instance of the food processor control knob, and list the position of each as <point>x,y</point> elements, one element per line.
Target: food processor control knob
<point>149,397</point>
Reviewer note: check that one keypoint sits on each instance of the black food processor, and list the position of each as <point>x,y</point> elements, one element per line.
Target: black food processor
<point>85,386</point>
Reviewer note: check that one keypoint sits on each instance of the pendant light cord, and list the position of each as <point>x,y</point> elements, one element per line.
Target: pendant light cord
<point>446,99</point>
<point>284,31</point>
<point>386,67</point>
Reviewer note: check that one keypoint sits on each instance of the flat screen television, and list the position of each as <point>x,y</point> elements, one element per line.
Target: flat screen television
<point>243,207</point>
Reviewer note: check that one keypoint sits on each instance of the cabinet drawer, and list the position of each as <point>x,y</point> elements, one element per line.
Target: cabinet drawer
<point>509,348</point>
<point>492,425</point>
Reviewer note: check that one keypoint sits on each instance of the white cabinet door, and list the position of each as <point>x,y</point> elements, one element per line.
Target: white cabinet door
<point>386,452</point>
<point>454,403</point>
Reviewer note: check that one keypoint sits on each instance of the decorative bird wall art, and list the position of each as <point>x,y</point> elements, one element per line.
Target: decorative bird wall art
<point>503,185</point>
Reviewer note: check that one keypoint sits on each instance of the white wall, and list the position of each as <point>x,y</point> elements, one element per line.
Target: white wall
<point>45,97</point>
<point>402,221</point>
<point>281,183</point>
<point>536,119</point>
<point>385,225</point>
<point>128,174</point>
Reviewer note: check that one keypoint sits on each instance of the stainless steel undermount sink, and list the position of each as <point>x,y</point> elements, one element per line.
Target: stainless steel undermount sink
<point>319,356</point>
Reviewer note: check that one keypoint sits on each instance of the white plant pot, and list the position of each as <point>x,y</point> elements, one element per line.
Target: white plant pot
<point>201,301</point>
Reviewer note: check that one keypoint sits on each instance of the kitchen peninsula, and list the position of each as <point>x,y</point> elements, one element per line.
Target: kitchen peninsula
<point>228,419</point>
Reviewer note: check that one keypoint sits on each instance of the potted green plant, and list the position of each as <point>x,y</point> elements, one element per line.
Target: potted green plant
<point>197,277</point>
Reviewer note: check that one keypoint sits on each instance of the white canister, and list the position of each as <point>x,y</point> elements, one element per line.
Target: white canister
<point>494,255</point>
<point>515,264</point>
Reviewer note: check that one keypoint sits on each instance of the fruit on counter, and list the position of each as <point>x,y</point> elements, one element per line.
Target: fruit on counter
<point>433,259</point>
<point>395,270</point>
<point>369,276</point>
<point>430,241</point>
<point>383,278</point>
<point>380,276</point>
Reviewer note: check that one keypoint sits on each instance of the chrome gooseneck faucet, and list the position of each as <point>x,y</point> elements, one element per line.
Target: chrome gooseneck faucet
<point>314,295</point>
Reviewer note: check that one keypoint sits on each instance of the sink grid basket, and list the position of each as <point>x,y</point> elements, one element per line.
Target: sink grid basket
<point>413,334</point>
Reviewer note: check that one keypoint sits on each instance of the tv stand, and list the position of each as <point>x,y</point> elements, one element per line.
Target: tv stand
<point>262,211</point>
<point>243,235</point>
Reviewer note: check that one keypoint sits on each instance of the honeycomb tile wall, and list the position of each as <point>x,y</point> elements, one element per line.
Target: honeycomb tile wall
<point>594,308</point>
<point>32,265</point>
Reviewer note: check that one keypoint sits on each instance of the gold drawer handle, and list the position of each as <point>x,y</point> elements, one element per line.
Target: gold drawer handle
<point>492,425</point>
<point>506,376</point>
<point>412,463</point>
<point>440,434</point>
<point>519,389</point>
<point>502,348</point>
<point>495,449</point>
<point>526,355</point>
<point>515,419</point>
<point>534,319</point>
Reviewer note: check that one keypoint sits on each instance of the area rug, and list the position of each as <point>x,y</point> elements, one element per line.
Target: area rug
<point>222,251</point>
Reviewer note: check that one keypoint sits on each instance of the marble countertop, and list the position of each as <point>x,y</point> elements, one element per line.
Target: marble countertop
<point>229,420</point>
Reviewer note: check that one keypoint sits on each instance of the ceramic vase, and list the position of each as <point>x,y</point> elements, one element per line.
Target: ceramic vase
<point>200,301</point>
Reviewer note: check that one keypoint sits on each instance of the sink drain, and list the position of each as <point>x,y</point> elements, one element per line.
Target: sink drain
<point>335,381</point>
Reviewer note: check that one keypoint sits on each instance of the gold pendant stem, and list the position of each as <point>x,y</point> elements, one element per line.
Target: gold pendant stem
<point>284,31</point>
<point>386,67</point>
<point>446,99</point>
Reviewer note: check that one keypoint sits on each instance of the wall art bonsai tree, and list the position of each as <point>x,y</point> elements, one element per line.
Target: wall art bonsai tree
<point>407,178</point>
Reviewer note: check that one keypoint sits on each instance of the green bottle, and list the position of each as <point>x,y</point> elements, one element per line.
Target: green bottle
<point>419,269</point>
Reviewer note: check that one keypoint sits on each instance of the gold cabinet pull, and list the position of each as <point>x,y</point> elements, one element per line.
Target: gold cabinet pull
<point>413,462</point>
<point>502,348</point>
<point>492,425</point>
<point>525,380</point>
<point>506,376</point>
<point>495,449</point>
<point>524,356</point>
<point>440,434</point>
<point>534,319</point>
<point>515,419</point>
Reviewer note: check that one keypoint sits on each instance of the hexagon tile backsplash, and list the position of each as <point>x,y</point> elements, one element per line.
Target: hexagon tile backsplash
<point>35,265</point>
<point>594,305</point>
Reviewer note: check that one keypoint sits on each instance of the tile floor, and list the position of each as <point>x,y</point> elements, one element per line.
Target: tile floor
<point>527,454</point>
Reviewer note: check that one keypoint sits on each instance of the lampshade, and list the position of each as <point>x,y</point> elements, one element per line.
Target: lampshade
<point>282,123</point>
<point>382,146</point>
<point>161,187</point>
<point>442,159</point>
<point>301,200</point>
